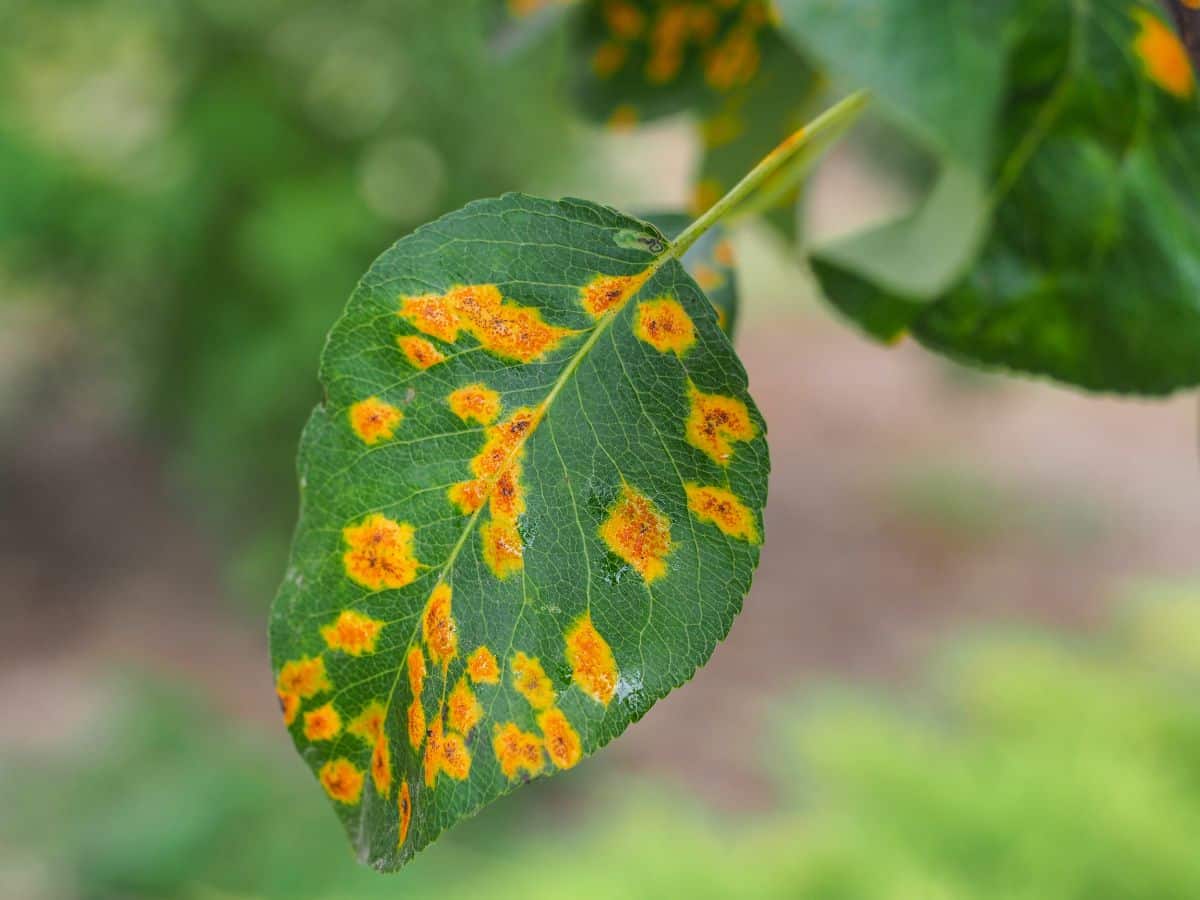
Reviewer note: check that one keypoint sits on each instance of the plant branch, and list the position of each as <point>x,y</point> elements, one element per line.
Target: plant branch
<point>784,164</point>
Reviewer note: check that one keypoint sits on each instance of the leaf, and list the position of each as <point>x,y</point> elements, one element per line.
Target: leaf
<point>1063,238</point>
<point>710,262</point>
<point>531,506</point>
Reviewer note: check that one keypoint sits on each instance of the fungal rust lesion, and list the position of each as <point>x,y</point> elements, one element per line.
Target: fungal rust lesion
<point>322,723</point>
<point>517,751</point>
<point>352,632</point>
<point>560,739</point>
<point>715,423</point>
<point>1163,55</point>
<point>665,326</point>
<point>638,532</point>
<point>380,553</point>
<point>404,811</point>
<point>502,326</point>
<point>303,678</point>
<point>438,628</point>
<point>531,680</point>
<point>373,420</point>
<point>723,509</point>
<point>482,666</point>
<point>420,353</point>
<point>342,780</point>
<point>463,710</point>
<point>593,666</point>
<point>475,402</point>
<point>607,293</point>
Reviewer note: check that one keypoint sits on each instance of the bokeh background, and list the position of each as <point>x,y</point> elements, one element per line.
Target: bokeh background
<point>970,664</point>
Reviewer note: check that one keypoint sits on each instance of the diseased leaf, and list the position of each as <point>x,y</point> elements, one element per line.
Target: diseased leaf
<point>1063,237</point>
<point>710,262</point>
<point>531,506</point>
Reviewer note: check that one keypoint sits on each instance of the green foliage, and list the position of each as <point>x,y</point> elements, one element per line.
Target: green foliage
<point>531,506</point>
<point>1042,771</point>
<point>1060,237</point>
<point>197,183</point>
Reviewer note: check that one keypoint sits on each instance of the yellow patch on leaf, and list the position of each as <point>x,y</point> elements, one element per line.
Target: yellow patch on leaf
<point>433,751</point>
<point>404,808</point>
<point>593,667</point>
<point>416,670</point>
<point>605,293</point>
<point>503,550</point>
<point>438,628</point>
<point>463,711</point>
<point>723,253</point>
<point>482,667</point>
<point>623,118</point>
<point>531,680</point>
<point>639,533</point>
<point>501,326</point>
<point>723,509</point>
<point>419,352</point>
<point>303,678</point>
<point>352,632</point>
<point>445,753</point>
<point>373,420</point>
<point>381,553</point>
<point>624,19</point>
<point>516,750</point>
<point>715,423</point>
<point>665,326</point>
<point>1163,55</point>
<point>368,724</point>
<point>342,780</point>
<point>289,705</point>
<point>561,740</point>
<point>322,723</point>
<point>608,59</point>
<point>475,401</point>
<point>416,723</point>
<point>381,766</point>
<point>734,61</point>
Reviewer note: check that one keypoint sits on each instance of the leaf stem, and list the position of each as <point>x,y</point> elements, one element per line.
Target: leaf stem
<point>787,160</point>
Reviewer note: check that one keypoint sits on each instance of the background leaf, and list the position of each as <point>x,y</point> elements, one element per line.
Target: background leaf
<point>710,262</point>
<point>531,506</point>
<point>1087,269</point>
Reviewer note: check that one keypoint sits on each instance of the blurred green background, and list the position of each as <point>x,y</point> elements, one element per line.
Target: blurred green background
<point>1000,576</point>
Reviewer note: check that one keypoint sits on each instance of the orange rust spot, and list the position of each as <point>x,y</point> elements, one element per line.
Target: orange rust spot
<point>416,723</point>
<point>322,723</point>
<point>501,326</point>
<point>608,292</point>
<point>468,496</point>
<point>723,252</point>
<point>289,704</point>
<point>342,780</point>
<point>665,326</point>
<point>433,751</point>
<point>703,23</point>
<point>381,553</point>
<point>475,401</point>
<point>561,740</point>
<point>419,352</point>
<point>593,667</point>
<point>455,758</point>
<point>503,550</point>
<point>716,422</point>
<point>530,679</point>
<point>303,677</point>
<point>707,277</point>
<point>445,753</point>
<point>416,670</point>
<point>482,667</point>
<point>352,632</point>
<point>368,724</point>
<point>438,628</point>
<point>639,532</point>
<point>1163,55</point>
<point>381,766</point>
<point>667,40</point>
<point>373,420</point>
<point>707,192</point>
<point>723,509</point>
<point>733,62</point>
<point>463,711</point>
<point>623,117</point>
<point>608,59</point>
<point>516,750</point>
<point>624,19</point>
<point>404,807</point>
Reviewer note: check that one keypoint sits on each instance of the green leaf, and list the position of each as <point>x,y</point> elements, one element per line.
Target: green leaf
<point>710,262</point>
<point>1063,237</point>
<point>531,506</point>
